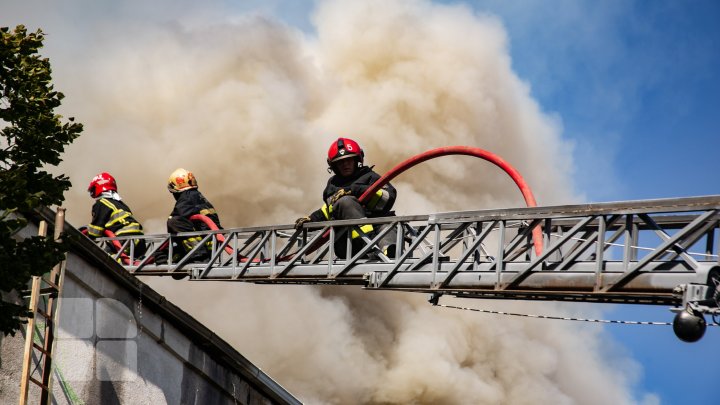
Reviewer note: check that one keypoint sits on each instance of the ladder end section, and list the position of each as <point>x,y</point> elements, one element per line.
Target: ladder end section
<point>689,324</point>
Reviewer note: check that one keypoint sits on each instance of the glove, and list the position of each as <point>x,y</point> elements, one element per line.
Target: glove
<point>300,221</point>
<point>340,193</point>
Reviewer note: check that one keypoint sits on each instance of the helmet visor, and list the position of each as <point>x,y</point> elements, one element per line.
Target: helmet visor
<point>342,157</point>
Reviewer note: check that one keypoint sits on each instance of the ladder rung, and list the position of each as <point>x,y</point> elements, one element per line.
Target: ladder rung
<point>43,291</point>
<point>41,385</point>
<point>52,289</point>
<point>42,349</point>
<point>48,290</point>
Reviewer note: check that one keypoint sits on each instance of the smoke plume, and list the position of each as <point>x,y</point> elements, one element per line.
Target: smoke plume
<point>250,105</point>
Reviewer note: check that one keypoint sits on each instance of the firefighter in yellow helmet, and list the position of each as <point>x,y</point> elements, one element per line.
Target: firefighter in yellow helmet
<point>188,202</point>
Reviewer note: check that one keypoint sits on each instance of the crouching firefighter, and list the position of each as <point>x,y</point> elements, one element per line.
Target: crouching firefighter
<point>350,180</point>
<point>110,213</point>
<point>188,202</point>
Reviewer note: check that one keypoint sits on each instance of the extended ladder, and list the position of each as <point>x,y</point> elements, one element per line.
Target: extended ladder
<point>661,252</point>
<point>50,288</point>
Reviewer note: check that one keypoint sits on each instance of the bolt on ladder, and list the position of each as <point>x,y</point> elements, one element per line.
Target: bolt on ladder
<point>53,288</point>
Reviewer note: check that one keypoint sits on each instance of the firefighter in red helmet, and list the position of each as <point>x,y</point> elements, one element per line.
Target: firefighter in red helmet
<point>183,186</point>
<point>110,213</point>
<point>350,180</point>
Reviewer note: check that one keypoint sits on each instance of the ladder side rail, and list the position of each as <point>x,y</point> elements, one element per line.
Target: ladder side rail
<point>29,337</point>
<point>34,309</point>
<point>581,280</point>
<point>57,278</point>
<point>668,205</point>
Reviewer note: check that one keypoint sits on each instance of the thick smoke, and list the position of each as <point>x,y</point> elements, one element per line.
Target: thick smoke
<point>250,105</point>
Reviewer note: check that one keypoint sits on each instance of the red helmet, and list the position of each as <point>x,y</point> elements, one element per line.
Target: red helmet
<point>101,182</point>
<point>344,148</point>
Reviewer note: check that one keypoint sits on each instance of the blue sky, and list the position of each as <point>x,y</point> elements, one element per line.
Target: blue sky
<point>634,80</point>
<point>636,86</point>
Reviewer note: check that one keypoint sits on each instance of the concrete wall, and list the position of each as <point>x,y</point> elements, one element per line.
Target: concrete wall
<point>120,342</point>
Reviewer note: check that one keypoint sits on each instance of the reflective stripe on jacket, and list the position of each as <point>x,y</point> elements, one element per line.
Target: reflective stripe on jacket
<point>327,210</point>
<point>114,216</point>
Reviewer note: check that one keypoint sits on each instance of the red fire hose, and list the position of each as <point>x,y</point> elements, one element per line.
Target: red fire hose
<point>115,244</point>
<point>469,151</point>
<point>210,224</point>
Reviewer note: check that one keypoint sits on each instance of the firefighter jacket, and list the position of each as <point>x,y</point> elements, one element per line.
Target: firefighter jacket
<point>379,205</point>
<point>191,202</point>
<point>113,215</point>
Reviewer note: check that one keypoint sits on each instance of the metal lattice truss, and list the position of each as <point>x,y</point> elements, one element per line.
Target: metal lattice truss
<point>630,252</point>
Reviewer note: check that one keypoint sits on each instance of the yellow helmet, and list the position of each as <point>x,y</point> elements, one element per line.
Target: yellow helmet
<point>181,180</point>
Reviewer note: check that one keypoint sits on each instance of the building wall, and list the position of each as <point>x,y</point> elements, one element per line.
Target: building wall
<point>120,342</point>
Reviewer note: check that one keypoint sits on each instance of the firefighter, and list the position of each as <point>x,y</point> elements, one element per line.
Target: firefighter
<point>188,202</point>
<point>350,180</point>
<point>110,213</point>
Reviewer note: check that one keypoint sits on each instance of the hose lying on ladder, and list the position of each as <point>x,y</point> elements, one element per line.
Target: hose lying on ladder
<point>114,243</point>
<point>197,218</point>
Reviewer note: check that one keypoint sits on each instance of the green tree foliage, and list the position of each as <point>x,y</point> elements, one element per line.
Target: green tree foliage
<point>33,137</point>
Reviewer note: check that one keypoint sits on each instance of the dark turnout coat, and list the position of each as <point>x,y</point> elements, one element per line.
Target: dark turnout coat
<point>379,205</point>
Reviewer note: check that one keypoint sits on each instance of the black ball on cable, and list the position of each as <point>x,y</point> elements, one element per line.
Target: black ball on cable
<point>689,325</point>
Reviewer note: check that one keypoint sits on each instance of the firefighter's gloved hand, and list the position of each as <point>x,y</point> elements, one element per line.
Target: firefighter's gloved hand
<point>340,193</point>
<point>300,221</point>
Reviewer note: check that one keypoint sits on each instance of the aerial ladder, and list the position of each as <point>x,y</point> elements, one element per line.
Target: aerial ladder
<point>658,252</point>
<point>653,252</point>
